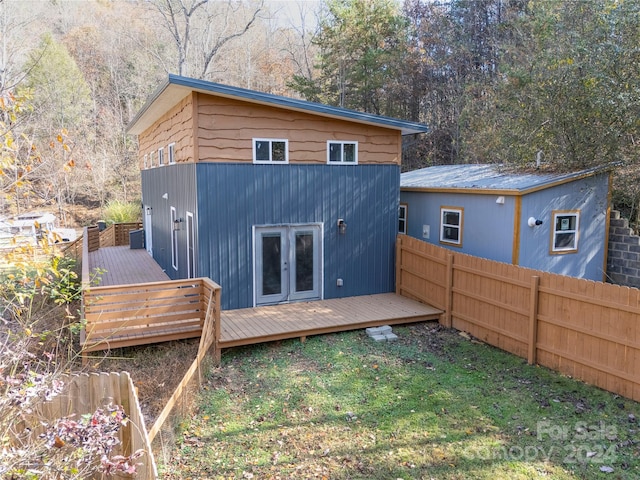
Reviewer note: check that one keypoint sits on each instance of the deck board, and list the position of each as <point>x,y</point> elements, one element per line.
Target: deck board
<point>248,326</point>
<point>125,266</point>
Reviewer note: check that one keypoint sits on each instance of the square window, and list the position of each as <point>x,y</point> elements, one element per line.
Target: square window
<point>344,153</point>
<point>565,232</point>
<point>270,150</point>
<point>451,225</point>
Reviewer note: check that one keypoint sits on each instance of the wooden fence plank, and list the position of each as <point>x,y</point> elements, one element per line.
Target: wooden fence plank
<point>582,328</point>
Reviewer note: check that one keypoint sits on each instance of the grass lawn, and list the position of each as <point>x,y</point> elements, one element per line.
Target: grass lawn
<point>431,405</point>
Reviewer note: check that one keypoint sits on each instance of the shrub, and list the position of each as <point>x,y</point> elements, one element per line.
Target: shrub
<point>122,212</point>
<point>36,348</point>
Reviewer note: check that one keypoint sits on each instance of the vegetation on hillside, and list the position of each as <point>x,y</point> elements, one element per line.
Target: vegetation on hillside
<point>504,81</point>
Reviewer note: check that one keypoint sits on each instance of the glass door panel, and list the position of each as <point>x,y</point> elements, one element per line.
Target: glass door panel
<point>287,263</point>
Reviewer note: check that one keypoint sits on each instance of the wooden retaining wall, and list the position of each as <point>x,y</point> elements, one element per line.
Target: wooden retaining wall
<point>589,330</point>
<point>84,394</point>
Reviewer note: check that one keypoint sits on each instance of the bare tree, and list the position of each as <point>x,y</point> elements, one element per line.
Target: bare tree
<point>200,28</point>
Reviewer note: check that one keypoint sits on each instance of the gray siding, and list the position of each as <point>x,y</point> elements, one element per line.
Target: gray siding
<point>487,229</point>
<point>178,182</point>
<point>590,196</point>
<point>232,198</point>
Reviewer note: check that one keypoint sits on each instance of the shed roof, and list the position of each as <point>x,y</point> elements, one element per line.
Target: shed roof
<point>479,178</point>
<point>176,87</point>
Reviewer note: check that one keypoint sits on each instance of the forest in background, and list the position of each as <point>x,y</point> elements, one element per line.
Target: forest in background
<point>497,81</point>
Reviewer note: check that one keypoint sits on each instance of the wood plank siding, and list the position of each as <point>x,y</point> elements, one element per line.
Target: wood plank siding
<point>278,322</point>
<point>226,128</point>
<point>176,126</point>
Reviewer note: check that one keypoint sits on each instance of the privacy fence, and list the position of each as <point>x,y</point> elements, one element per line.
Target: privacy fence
<point>85,393</point>
<point>589,330</point>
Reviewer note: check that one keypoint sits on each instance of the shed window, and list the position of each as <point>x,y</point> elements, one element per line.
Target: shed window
<point>172,153</point>
<point>345,153</point>
<point>160,156</point>
<point>402,218</point>
<point>270,150</point>
<point>565,232</point>
<point>451,225</point>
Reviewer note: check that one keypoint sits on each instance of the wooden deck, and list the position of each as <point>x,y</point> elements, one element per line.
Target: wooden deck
<point>249,326</point>
<point>125,266</point>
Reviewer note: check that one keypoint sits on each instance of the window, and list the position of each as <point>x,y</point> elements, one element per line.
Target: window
<point>151,165</point>
<point>160,157</point>
<point>402,218</point>
<point>451,225</point>
<point>175,225</point>
<point>345,153</point>
<point>144,163</point>
<point>565,232</point>
<point>270,150</point>
<point>172,153</point>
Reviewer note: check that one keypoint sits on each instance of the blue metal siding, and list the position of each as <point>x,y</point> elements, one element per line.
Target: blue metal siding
<point>590,196</point>
<point>232,198</point>
<point>178,182</point>
<point>487,229</point>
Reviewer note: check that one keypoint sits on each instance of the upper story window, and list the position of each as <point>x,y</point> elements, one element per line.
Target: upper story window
<point>345,153</point>
<point>402,218</point>
<point>145,161</point>
<point>451,225</point>
<point>171,153</point>
<point>565,231</point>
<point>269,150</point>
<point>151,165</point>
<point>161,156</point>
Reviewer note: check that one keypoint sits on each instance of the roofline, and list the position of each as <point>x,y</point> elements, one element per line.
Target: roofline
<point>191,84</point>
<point>567,178</point>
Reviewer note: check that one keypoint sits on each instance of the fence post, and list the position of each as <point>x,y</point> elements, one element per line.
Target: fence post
<point>533,319</point>
<point>448,322</point>
<point>398,264</point>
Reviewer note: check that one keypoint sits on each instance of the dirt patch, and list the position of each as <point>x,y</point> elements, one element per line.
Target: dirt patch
<point>156,371</point>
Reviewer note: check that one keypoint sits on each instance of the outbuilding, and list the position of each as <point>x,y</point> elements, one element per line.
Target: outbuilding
<point>555,222</point>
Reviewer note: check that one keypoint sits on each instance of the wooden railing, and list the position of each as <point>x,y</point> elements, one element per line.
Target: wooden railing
<point>84,394</point>
<point>126,315</point>
<point>589,330</point>
<point>208,341</point>
<point>117,234</point>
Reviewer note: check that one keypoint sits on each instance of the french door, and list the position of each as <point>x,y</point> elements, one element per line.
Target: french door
<point>288,263</point>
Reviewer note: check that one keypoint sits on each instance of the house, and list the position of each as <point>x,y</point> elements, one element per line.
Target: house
<point>545,221</point>
<point>274,198</point>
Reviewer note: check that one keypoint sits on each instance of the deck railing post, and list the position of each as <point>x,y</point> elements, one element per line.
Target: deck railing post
<point>217,355</point>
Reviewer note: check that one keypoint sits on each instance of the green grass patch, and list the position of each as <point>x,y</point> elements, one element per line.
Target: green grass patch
<point>431,405</point>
